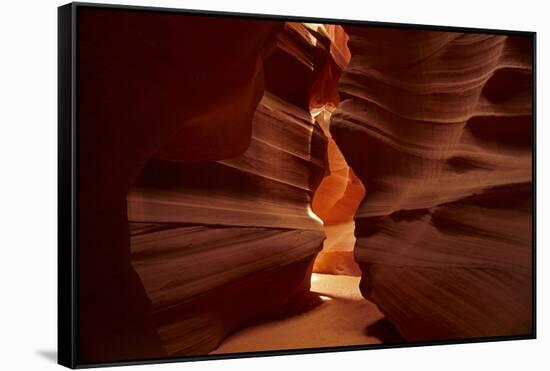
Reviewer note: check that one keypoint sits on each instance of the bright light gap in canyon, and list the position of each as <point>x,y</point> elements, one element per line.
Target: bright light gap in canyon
<point>265,189</point>
<point>213,233</point>
<point>342,316</point>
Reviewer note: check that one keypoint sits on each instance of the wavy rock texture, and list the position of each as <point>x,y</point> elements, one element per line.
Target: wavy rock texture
<point>147,81</point>
<point>335,202</point>
<point>437,125</point>
<point>244,223</point>
<point>324,92</point>
<point>337,197</point>
<point>221,244</point>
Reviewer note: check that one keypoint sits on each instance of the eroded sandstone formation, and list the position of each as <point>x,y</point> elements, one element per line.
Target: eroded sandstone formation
<point>337,197</point>
<point>208,239</point>
<point>145,79</point>
<point>335,202</point>
<point>217,153</point>
<point>437,125</point>
<point>221,244</point>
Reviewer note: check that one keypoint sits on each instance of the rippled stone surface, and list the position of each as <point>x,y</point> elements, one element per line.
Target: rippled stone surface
<point>437,125</point>
<point>146,81</point>
<point>221,244</point>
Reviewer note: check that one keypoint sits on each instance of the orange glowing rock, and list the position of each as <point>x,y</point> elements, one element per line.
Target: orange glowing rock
<point>335,202</point>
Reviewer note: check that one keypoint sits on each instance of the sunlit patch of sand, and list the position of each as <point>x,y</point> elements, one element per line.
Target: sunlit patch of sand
<point>343,318</point>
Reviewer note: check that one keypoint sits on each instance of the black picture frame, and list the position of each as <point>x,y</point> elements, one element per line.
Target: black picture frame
<point>68,183</point>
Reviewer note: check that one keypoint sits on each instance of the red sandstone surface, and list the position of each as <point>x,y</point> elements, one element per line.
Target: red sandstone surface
<point>222,161</point>
<point>438,126</point>
<point>244,222</point>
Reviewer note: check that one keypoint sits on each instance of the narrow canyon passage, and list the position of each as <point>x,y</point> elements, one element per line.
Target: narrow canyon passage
<point>342,316</point>
<point>232,253</point>
<point>268,182</point>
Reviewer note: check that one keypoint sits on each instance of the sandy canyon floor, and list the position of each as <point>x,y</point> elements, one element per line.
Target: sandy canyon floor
<point>344,318</point>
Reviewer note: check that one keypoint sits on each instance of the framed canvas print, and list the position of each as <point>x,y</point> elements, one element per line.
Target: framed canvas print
<point>236,185</point>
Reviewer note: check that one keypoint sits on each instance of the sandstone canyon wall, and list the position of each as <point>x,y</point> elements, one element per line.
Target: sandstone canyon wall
<point>216,154</point>
<point>437,125</point>
<point>147,80</point>
<point>221,244</point>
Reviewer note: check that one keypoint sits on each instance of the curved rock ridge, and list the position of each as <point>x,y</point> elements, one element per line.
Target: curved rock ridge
<point>146,81</point>
<point>312,57</point>
<point>324,91</point>
<point>199,228</point>
<point>338,196</point>
<point>437,125</point>
<point>270,185</point>
<point>209,237</point>
<point>335,202</point>
<point>339,49</point>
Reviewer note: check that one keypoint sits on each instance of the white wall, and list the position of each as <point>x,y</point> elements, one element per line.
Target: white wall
<point>28,68</point>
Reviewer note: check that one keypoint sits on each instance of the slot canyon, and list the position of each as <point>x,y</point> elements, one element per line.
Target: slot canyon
<point>257,185</point>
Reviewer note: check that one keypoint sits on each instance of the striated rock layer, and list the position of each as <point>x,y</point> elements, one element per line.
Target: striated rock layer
<point>235,226</point>
<point>437,125</point>
<point>338,196</point>
<point>221,244</point>
<point>146,81</point>
<point>335,202</point>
